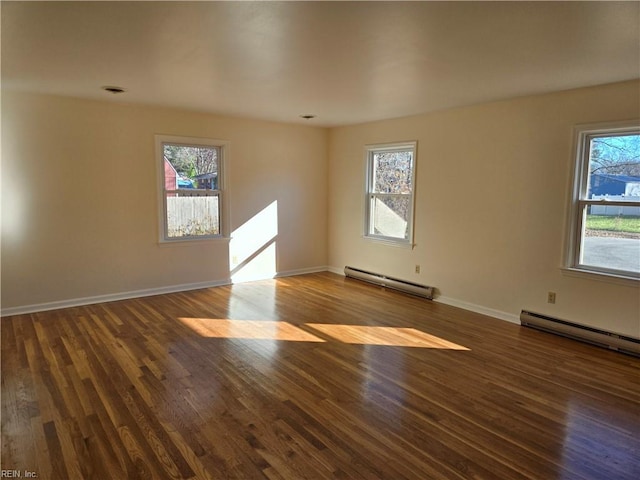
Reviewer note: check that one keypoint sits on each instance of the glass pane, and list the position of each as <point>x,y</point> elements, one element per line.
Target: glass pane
<point>392,172</point>
<point>612,242</point>
<point>389,216</point>
<point>190,167</point>
<point>614,170</point>
<point>192,215</point>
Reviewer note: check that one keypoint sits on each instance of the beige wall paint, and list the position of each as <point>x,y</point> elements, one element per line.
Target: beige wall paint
<point>492,192</point>
<point>79,205</point>
<point>79,200</point>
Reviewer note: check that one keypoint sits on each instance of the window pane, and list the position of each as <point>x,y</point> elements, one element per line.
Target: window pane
<point>611,237</point>
<point>614,170</point>
<point>192,215</point>
<point>190,167</point>
<point>612,242</point>
<point>392,172</point>
<point>390,216</point>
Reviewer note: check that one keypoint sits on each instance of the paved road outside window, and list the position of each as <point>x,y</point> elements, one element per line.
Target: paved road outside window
<point>616,253</point>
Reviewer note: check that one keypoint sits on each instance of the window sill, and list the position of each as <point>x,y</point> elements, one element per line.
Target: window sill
<point>183,242</point>
<point>390,242</point>
<point>618,279</point>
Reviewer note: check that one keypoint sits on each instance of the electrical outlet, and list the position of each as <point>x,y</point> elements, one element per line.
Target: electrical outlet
<point>551,297</point>
<point>417,268</point>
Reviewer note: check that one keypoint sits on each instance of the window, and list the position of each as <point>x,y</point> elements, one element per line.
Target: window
<point>389,193</point>
<point>605,210</point>
<point>191,186</point>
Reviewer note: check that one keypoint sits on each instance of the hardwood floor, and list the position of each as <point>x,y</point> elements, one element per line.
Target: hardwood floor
<point>309,377</point>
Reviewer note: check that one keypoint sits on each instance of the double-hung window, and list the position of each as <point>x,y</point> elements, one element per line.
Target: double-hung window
<point>605,211</point>
<point>390,187</point>
<point>191,186</point>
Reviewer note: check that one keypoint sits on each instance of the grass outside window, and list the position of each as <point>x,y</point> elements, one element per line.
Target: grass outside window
<point>619,224</point>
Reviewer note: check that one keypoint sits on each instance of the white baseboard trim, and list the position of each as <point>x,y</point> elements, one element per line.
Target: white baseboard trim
<point>336,270</point>
<point>472,307</point>
<point>78,302</point>
<point>301,271</point>
<point>112,297</point>
<point>499,314</point>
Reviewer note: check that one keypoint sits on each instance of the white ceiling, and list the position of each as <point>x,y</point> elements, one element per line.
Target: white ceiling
<point>346,62</point>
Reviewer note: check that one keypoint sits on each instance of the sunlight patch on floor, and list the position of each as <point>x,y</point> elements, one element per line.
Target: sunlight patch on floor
<point>285,331</point>
<point>249,329</point>
<point>390,336</point>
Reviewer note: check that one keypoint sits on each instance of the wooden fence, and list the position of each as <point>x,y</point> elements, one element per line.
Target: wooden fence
<point>196,215</point>
<point>615,210</point>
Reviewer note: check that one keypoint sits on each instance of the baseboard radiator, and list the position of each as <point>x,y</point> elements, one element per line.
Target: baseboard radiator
<point>601,338</point>
<point>385,281</point>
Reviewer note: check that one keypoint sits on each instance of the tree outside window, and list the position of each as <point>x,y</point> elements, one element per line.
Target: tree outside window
<point>390,193</point>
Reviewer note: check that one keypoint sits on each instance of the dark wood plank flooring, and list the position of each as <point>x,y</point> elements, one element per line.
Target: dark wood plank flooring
<point>309,377</point>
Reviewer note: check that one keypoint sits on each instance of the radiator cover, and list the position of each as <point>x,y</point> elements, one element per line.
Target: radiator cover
<point>594,336</point>
<point>390,282</point>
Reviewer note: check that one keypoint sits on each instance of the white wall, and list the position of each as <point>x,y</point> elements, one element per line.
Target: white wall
<point>79,198</point>
<point>492,192</point>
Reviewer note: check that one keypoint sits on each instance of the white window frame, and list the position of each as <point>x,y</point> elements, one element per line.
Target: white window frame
<point>370,151</point>
<point>221,192</point>
<point>579,201</point>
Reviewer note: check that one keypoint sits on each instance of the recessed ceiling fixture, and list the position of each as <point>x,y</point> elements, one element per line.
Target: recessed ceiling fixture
<point>113,89</point>
<point>307,116</point>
